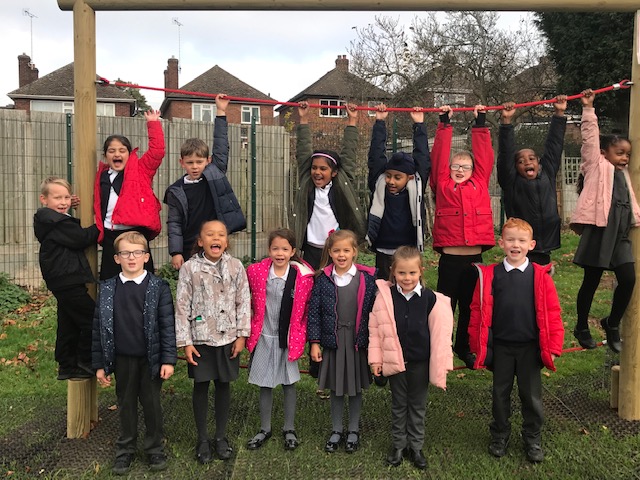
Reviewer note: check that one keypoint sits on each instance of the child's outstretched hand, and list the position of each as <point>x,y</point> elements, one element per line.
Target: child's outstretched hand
<point>152,115</point>
<point>587,98</point>
<point>352,113</point>
<point>561,105</point>
<point>508,110</point>
<point>478,109</point>
<point>381,112</point>
<point>446,109</point>
<point>190,351</point>
<point>417,115</point>
<point>222,102</point>
<point>237,347</point>
<point>303,113</point>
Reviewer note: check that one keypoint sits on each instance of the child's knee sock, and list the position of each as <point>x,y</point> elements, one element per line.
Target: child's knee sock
<point>289,392</point>
<point>337,410</point>
<point>355,406</point>
<point>222,404</point>
<point>266,404</point>
<point>200,402</point>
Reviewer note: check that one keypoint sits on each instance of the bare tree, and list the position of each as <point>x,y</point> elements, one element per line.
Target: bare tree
<point>455,52</point>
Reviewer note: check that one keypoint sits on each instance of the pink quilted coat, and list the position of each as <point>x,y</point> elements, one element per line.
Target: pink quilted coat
<point>258,273</point>
<point>384,344</point>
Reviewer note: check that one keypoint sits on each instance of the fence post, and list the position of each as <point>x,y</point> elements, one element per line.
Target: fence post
<point>253,188</point>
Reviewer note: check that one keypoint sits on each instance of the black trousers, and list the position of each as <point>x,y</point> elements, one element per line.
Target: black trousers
<point>383,264</point>
<point>522,361</point>
<point>108,266</point>
<point>409,405</point>
<point>457,279</point>
<point>75,318</point>
<point>133,384</point>
<point>312,255</point>
<point>541,258</point>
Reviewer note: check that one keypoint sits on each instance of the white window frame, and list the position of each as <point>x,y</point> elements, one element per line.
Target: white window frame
<point>108,109</point>
<point>332,112</point>
<point>56,106</point>
<point>449,98</point>
<point>251,111</point>
<point>202,109</point>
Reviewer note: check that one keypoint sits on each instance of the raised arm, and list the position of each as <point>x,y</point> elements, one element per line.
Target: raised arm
<point>506,148</point>
<point>220,150</point>
<point>152,158</point>
<point>304,148</point>
<point>350,144</point>
<point>590,149</point>
<point>482,147</point>
<point>552,155</point>
<point>377,158</point>
<point>441,150</point>
<point>421,146</point>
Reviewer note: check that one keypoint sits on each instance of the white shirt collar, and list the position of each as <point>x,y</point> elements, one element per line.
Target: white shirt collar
<point>187,180</point>
<point>139,279</point>
<point>326,187</point>
<point>508,267</point>
<point>416,291</point>
<point>351,272</point>
<point>272,273</point>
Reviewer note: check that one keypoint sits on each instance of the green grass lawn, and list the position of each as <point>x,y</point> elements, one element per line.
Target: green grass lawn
<point>582,437</point>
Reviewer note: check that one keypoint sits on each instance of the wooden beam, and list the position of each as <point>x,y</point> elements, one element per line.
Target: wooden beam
<point>629,390</point>
<point>361,5</point>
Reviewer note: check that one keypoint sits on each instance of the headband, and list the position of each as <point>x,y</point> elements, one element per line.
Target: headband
<point>326,156</point>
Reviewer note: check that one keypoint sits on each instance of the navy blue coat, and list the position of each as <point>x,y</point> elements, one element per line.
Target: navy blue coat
<point>159,326</point>
<point>225,202</point>
<point>322,321</point>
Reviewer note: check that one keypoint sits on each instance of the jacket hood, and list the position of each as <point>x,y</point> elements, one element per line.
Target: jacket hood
<point>45,220</point>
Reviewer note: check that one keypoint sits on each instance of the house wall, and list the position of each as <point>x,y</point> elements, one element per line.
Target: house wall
<point>122,109</point>
<point>182,109</point>
<point>289,117</point>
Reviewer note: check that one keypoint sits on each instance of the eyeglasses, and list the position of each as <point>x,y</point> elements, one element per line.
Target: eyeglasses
<point>127,254</point>
<point>457,166</point>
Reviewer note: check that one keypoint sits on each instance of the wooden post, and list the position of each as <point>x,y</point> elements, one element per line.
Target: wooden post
<point>615,387</point>
<point>629,400</point>
<point>82,400</point>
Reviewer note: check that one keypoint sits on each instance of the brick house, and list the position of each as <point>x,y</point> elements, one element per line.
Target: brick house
<point>54,92</point>
<point>213,81</point>
<point>337,87</point>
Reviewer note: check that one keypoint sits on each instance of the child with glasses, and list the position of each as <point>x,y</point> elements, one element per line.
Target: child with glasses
<point>134,338</point>
<point>463,224</point>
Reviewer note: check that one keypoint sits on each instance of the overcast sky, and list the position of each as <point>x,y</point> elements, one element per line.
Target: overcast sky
<point>279,53</point>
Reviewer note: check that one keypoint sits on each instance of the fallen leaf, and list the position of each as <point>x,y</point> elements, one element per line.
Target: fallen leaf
<point>461,375</point>
<point>584,431</point>
<point>3,336</point>
<point>112,407</point>
<point>460,414</point>
<point>546,374</point>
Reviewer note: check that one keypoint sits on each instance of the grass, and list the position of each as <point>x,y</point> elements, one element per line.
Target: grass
<point>582,437</point>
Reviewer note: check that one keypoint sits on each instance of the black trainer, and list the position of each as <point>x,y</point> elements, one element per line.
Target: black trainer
<point>157,462</point>
<point>534,453</point>
<point>122,465</point>
<point>498,447</point>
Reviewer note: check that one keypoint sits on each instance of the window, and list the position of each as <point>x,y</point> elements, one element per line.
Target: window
<point>332,112</point>
<point>372,104</point>
<point>249,112</point>
<point>106,109</point>
<point>204,112</point>
<point>447,98</point>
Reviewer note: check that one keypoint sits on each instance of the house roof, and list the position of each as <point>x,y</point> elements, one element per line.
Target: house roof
<point>217,80</point>
<point>59,83</point>
<point>340,83</point>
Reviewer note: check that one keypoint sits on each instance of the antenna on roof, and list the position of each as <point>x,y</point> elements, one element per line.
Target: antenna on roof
<point>27,13</point>
<point>175,21</point>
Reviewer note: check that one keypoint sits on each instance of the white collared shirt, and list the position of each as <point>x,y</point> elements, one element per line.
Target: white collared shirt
<point>188,181</point>
<point>272,273</point>
<point>138,280</point>
<point>322,219</point>
<point>111,204</point>
<point>508,267</point>
<point>416,291</point>
<point>344,279</point>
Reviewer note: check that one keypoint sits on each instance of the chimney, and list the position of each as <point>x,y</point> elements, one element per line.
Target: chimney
<point>171,75</point>
<point>342,63</point>
<point>27,71</point>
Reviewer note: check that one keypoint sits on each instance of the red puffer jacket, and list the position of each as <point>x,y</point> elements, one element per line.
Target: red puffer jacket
<point>137,205</point>
<point>548,316</point>
<point>463,215</point>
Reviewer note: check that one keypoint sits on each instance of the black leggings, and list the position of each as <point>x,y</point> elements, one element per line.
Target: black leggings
<point>626,276</point>
<point>221,406</point>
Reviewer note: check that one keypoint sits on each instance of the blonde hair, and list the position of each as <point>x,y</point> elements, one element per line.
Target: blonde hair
<point>519,224</point>
<point>337,236</point>
<point>405,252</point>
<point>132,237</point>
<point>462,154</point>
<point>44,186</point>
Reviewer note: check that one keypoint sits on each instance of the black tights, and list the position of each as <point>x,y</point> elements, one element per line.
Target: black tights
<point>626,277</point>
<point>221,405</point>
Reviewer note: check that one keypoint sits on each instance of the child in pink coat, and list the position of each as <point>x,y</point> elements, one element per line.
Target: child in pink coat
<point>280,288</point>
<point>410,330</point>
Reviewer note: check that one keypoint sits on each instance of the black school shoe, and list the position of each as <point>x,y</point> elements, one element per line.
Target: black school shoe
<point>203,452</point>
<point>534,453</point>
<point>157,462</point>
<point>223,449</point>
<point>418,459</point>
<point>122,465</point>
<point>290,442</point>
<point>395,457</point>
<point>498,447</point>
<point>331,447</point>
<point>613,335</point>
<point>352,446</point>
<point>258,440</point>
<point>584,338</point>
